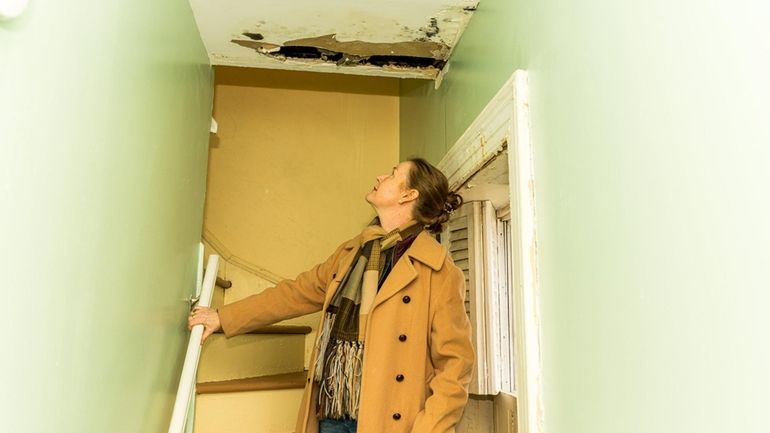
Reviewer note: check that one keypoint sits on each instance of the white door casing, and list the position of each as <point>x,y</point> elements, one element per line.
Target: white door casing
<point>504,124</point>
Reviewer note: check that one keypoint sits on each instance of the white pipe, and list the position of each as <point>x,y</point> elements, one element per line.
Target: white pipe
<point>187,381</point>
<point>199,278</point>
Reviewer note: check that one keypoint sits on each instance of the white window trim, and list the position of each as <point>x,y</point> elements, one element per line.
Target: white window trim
<point>500,299</point>
<point>505,122</point>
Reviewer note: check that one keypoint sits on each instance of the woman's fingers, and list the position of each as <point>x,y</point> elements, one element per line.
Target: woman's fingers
<point>208,317</point>
<point>206,332</point>
<point>195,318</point>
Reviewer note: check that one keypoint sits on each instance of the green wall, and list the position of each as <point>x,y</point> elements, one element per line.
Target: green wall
<point>104,113</point>
<point>651,128</point>
<point>431,121</point>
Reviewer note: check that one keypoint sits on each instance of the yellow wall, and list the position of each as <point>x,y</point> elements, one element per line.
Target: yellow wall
<point>293,158</point>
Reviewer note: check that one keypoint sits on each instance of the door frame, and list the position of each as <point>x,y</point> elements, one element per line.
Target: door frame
<point>505,124</point>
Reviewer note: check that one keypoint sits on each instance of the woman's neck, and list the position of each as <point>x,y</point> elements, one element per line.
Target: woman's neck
<point>399,220</point>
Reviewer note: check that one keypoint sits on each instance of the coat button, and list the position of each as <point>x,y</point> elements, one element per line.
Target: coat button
<point>396,416</point>
<point>402,337</point>
<point>399,378</point>
<point>406,299</point>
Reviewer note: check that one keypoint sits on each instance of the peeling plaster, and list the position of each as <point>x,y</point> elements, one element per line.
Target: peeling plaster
<point>253,36</point>
<point>432,29</point>
<point>419,54</point>
<point>401,38</point>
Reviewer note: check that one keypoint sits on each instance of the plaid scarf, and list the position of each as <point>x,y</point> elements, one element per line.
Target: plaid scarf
<point>340,350</point>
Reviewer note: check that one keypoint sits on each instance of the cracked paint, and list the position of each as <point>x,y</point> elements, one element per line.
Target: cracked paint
<point>419,54</point>
<point>399,38</point>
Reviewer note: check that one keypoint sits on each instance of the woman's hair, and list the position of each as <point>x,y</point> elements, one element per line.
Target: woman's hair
<point>435,202</point>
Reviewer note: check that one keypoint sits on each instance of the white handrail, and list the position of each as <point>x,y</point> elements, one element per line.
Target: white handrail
<point>187,381</point>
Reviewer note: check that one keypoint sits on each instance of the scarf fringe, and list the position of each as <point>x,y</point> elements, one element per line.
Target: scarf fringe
<point>341,386</point>
<point>340,347</point>
<point>323,343</point>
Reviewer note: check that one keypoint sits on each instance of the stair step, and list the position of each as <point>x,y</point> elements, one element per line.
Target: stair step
<point>281,329</point>
<point>271,411</point>
<point>250,355</point>
<point>261,383</point>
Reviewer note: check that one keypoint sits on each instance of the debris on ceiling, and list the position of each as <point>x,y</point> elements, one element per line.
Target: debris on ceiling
<point>395,38</point>
<point>489,183</point>
<point>350,53</point>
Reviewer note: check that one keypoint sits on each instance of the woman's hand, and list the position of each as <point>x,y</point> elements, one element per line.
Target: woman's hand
<point>208,317</point>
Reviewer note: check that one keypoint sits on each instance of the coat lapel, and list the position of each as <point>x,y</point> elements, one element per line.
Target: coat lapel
<point>402,274</point>
<point>426,250</point>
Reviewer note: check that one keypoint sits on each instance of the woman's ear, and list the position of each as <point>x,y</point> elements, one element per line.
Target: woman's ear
<point>409,195</point>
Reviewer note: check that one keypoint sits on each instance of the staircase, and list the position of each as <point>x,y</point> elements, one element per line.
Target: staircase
<point>252,383</point>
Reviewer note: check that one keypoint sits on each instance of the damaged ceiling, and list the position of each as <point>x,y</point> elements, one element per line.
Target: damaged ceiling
<point>393,38</point>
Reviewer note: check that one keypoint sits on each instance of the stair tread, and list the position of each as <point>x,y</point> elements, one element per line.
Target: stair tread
<point>281,329</point>
<point>261,383</point>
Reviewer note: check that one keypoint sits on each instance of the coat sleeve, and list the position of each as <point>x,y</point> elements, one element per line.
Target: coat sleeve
<point>451,352</point>
<point>287,299</point>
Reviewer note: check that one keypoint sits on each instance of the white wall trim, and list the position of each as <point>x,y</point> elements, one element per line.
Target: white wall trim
<point>504,123</point>
<point>524,248</point>
<point>485,137</point>
<point>219,247</point>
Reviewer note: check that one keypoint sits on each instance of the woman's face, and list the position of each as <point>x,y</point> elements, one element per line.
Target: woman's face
<point>390,189</point>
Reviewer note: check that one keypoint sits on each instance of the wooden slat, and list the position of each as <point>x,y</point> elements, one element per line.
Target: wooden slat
<point>262,383</point>
<point>460,255</point>
<point>459,234</point>
<point>458,223</point>
<point>282,329</point>
<point>458,245</point>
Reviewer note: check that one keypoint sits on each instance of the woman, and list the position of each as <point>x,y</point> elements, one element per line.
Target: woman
<point>394,351</point>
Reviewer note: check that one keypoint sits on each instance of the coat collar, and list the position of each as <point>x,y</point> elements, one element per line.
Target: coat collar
<point>424,248</point>
<point>427,250</point>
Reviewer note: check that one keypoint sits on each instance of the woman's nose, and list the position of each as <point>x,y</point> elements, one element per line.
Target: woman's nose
<point>379,178</point>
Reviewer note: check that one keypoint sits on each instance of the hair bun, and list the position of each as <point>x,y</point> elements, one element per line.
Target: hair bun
<point>435,202</point>
<point>453,202</point>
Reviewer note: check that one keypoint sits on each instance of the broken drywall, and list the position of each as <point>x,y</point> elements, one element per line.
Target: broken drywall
<point>419,54</point>
<point>398,38</point>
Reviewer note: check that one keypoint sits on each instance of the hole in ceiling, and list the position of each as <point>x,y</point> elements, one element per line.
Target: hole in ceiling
<point>418,54</point>
<point>253,36</point>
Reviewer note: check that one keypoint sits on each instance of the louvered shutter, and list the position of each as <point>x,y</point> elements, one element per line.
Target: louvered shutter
<point>463,238</point>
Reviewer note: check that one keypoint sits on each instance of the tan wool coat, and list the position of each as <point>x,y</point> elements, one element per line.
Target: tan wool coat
<point>418,355</point>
